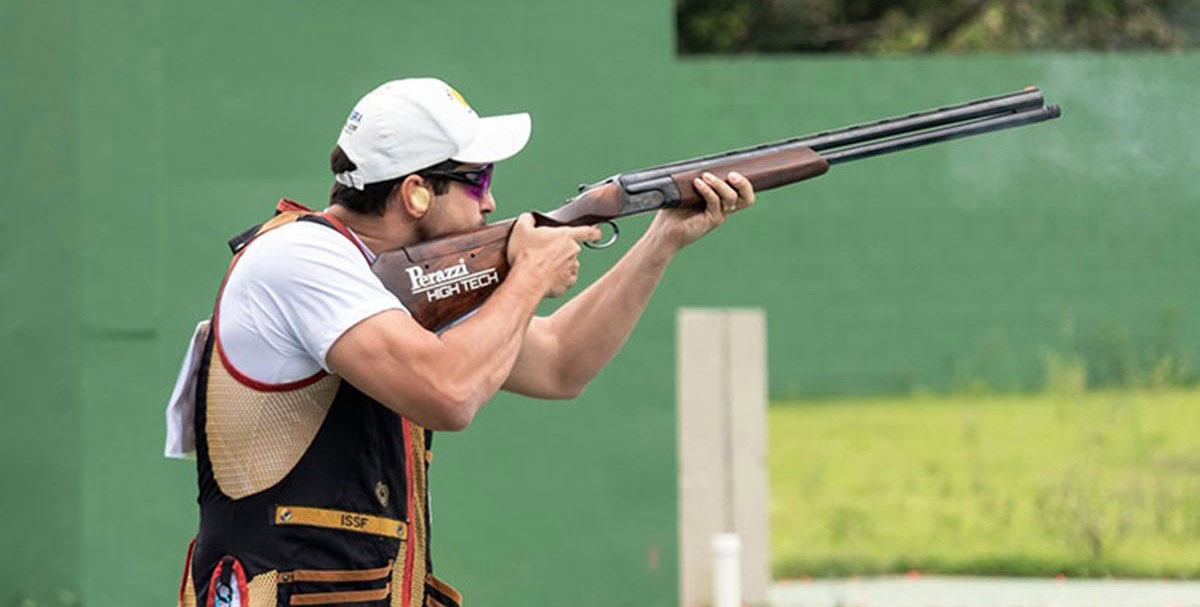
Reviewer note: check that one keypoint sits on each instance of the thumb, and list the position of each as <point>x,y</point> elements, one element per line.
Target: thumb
<point>525,221</point>
<point>518,235</point>
<point>522,227</point>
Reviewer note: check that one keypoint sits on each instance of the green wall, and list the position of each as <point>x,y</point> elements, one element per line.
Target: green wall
<point>947,266</point>
<point>40,454</point>
<point>144,133</point>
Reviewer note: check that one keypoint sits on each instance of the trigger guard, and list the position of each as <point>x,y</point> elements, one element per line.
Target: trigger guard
<point>612,239</point>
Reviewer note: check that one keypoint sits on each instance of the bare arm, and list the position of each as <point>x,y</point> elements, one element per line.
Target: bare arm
<point>564,351</point>
<point>441,381</point>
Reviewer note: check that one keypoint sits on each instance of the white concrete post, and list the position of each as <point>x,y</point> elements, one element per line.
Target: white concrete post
<point>726,570</point>
<point>722,420</point>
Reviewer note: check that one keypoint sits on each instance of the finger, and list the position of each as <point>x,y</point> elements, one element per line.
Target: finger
<point>585,234</point>
<point>728,195</point>
<point>712,202</point>
<point>744,187</point>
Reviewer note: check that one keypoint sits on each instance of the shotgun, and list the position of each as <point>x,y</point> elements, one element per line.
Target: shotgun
<point>441,280</point>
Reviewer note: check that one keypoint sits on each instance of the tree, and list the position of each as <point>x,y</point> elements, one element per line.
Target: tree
<point>907,26</point>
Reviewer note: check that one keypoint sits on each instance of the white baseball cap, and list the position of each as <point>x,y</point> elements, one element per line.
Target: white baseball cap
<point>407,125</point>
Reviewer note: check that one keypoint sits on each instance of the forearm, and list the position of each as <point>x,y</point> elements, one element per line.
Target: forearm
<point>577,341</point>
<point>590,329</point>
<point>479,352</point>
<point>440,382</point>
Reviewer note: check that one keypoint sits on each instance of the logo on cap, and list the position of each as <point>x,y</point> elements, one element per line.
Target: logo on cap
<point>352,122</point>
<point>457,96</point>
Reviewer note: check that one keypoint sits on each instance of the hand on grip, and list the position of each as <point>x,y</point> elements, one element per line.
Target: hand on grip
<point>551,254</point>
<point>718,199</point>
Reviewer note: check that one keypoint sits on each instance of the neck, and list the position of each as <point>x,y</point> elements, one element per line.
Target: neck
<point>379,232</point>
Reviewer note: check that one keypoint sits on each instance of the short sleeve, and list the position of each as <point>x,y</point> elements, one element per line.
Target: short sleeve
<point>293,293</point>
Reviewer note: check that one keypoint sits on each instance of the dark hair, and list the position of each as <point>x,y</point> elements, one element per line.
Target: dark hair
<point>372,199</point>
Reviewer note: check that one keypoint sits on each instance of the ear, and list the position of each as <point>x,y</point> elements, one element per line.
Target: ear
<point>415,195</point>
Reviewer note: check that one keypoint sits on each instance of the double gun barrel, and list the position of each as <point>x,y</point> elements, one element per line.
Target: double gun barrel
<point>860,141</point>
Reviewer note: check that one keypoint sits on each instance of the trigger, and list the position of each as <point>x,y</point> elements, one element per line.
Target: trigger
<point>612,238</point>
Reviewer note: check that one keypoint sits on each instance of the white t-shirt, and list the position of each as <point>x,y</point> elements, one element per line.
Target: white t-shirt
<point>293,293</point>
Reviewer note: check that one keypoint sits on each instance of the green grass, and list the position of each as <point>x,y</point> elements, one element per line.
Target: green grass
<point>1092,484</point>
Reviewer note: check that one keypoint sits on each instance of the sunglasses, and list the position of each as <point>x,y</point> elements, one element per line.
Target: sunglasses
<point>478,180</point>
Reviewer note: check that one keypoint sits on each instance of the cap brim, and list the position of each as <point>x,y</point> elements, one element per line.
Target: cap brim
<point>499,137</point>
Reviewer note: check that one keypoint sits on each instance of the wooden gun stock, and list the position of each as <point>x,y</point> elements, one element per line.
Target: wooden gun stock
<point>441,281</point>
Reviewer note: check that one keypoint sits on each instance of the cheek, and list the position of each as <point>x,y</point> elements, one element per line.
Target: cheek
<point>452,213</point>
<point>466,209</point>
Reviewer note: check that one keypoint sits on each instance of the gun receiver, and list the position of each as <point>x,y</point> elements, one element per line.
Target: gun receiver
<point>442,280</point>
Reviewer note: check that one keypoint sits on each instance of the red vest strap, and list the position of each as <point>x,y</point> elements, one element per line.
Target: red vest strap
<point>284,205</point>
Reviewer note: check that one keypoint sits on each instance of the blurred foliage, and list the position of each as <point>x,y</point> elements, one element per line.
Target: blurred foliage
<point>956,26</point>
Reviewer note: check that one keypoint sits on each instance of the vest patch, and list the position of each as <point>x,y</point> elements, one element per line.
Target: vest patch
<point>340,519</point>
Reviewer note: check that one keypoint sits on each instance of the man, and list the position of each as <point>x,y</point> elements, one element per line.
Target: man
<point>315,393</point>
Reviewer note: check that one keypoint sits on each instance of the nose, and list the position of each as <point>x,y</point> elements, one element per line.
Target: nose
<point>487,204</point>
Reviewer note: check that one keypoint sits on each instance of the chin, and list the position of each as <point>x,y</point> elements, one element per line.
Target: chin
<point>467,226</point>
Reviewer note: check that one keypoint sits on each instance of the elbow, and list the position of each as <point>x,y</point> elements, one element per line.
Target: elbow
<point>567,388</point>
<point>571,391</point>
<point>453,410</point>
<point>442,407</point>
<point>453,421</point>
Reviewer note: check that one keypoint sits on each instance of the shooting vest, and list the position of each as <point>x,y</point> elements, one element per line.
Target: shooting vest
<point>310,492</point>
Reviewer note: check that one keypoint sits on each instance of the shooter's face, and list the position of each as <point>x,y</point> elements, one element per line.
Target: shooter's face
<point>461,208</point>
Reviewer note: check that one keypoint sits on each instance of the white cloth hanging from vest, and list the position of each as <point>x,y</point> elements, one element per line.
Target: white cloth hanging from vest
<point>181,409</point>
